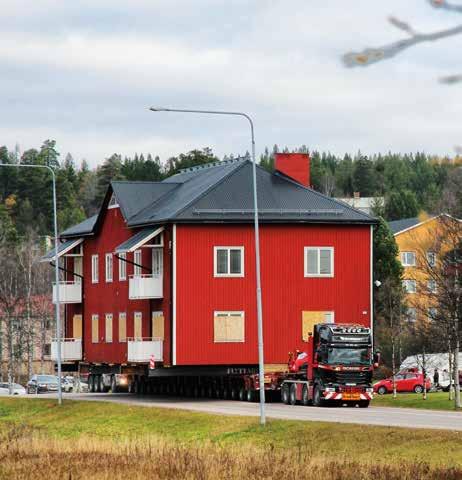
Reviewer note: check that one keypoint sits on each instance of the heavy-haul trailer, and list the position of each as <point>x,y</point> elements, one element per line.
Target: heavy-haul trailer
<point>335,369</point>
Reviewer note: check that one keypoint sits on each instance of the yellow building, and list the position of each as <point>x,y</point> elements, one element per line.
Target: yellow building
<point>422,241</point>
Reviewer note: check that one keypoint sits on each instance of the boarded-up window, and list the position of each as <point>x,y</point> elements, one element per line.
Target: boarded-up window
<point>229,327</point>
<point>94,328</point>
<point>137,326</point>
<point>158,325</point>
<point>122,327</point>
<point>310,319</point>
<point>77,326</point>
<point>108,327</point>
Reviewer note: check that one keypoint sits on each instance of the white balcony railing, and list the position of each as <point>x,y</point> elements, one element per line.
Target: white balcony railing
<point>145,286</point>
<point>141,350</point>
<point>71,349</point>
<point>69,292</point>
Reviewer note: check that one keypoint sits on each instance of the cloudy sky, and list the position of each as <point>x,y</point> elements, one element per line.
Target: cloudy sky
<point>85,72</point>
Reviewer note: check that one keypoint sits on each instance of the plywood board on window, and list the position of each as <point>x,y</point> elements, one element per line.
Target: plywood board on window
<point>235,328</point>
<point>109,328</point>
<point>309,320</point>
<point>122,327</point>
<point>220,330</point>
<point>138,327</point>
<point>158,325</point>
<point>95,329</point>
<point>77,326</point>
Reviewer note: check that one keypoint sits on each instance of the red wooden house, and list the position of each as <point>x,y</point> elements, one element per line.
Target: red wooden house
<point>167,269</point>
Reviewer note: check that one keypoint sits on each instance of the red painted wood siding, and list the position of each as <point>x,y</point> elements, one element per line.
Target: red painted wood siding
<point>286,292</point>
<point>103,297</point>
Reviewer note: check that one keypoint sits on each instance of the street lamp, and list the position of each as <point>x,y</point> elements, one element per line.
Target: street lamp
<point>261,372</point>
<point>57,307</point>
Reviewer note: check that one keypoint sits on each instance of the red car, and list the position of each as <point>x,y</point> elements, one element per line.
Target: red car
<point>405,382</point>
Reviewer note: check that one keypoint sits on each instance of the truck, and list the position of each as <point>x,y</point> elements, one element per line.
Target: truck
<point>335,369</point>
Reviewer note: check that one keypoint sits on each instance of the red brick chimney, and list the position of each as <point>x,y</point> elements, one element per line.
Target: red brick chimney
<point>294,165</point>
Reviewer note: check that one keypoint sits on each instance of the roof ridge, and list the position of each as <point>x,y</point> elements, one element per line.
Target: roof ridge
<point>204,166</point>
<point>146,182</point>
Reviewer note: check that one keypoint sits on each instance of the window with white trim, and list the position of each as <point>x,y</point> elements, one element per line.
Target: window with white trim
<point>137,270</point>
<point>122,327</point>
<point>157,261</point>
<point>319,261</point>
<point>431,259</point>
<point>431,286</point>
<point>109,318</point>
<point>411,314</point>
<point>432,313</point>
<point>408,259</point>
<point>228,261</point>
<point>410,286</point>
<point>94,328</point>
<point>122,267</point>
<point>109,267</point>
<point>229,327</point>
<point>94,269</point>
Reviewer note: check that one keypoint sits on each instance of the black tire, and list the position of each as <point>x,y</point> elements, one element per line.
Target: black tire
<point>317,398</point>
<point>96,383</point>
<point>225,394</point>
<point>242,394</point>
<point>363,403</point>
<point>305,396</point>
<point>101,388</point>
<point>285,394</point>
<point>293,394</point>
<point>250,395</point>
<point>234,393</point>
<point>382,390</point>
<point>113,384</point>
<point>418,389</point>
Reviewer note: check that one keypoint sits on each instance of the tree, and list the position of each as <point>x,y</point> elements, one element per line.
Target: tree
<point>401,204</point>
<point>364,176</point>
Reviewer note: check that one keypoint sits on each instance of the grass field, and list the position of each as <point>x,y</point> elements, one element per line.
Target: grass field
<point>104,440</point>
<point>434,401</point>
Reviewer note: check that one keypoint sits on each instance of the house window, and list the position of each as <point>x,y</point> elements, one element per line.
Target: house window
<point>229,261</point>
<point>432,314</point>
<point>312,318</point>
<point>229,327</point>
<point>411,315</point>
<point>431,286</point>
<point>94,328</point>
<point>122,327</point>
<point>109,267</point>
<point>108,327</point>
<point>409,286</point>
<point>47,349</point>
<point>94,269</point>
<point>138,325</point>
<point>319,261</point>
<point>431,259</point>
<point>157,261</point>
<point>408,259</point>
<point>158,325</point>
<point>122,267</point>
<point>137,261</point>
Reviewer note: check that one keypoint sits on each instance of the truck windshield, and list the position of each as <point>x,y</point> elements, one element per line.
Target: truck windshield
<point>348,356</point>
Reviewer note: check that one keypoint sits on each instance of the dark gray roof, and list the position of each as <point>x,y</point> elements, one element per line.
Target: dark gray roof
<point>81,229</point>
<point>222,192</point>
<point>397,226</point>
<point>137,238</point>
<point>63,248</point>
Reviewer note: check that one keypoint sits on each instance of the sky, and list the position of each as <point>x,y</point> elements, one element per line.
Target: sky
<point>85,72</point>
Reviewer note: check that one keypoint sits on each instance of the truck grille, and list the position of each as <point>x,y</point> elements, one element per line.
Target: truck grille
<point>358,378</point>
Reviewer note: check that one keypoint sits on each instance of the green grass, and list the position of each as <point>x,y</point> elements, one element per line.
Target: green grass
<point>117,422</point>
<point>434,401</point>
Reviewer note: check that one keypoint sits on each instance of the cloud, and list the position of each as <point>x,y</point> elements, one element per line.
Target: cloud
<point>85,72</point>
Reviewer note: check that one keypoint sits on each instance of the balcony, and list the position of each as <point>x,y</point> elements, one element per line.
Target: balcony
<point>140,350</point>
<point>71,349</point>
<point>145,286</point>
<point>69,292</point>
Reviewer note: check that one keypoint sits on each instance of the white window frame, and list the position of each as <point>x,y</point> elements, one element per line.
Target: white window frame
<point>122,315</point>
<point>137,259</point>
<point>122,267</point>
<point>432,290</point>
<point>108,338</point>
<point>215,262</point>
<point>318,250</point>
<point>404,259</point>
<point>410,281</point>
<point>430,312</point>
<point>94,269</point>
<point>230,313</point>
<point>412,318</point>
<point>431,258</point>
<point>109,264</point>
<point>160,252</point>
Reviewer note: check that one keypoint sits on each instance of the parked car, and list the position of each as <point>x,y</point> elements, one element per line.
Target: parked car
<point>405,382</point>
<point>17,389</point>
<point>68,384</point>
<point>42,384</point>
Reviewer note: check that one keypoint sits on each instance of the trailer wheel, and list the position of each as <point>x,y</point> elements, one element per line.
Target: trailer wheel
<point>242,394</point>
<point>251,395</point>
<point>317,398</point>
<point>293,394</point>
<point>285,394</point>
<point>225,394</point>
<point>234,393</point>
<point>113,384</point>
<point>305,396</point>
<point>91,383</point>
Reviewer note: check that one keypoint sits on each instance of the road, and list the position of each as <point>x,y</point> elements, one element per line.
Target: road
<point>384,416</point>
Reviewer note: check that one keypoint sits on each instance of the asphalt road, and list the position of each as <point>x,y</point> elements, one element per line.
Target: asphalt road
<point>384,416</point>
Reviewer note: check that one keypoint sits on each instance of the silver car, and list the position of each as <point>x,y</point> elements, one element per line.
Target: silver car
<point>17,389</point>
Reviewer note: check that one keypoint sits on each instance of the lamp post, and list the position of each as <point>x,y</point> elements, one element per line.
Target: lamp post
<point>261,372</point>
<point>57,304</point>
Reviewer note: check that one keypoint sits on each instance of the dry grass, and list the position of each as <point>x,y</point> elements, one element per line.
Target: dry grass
<point>28,454</point>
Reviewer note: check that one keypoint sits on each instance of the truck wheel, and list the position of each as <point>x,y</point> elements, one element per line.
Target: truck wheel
<point>418,389</point>
<point>382,391</point>
<point>225,394</point>
<point>317,398</point>
<point>242,394</point>
<point>234,393</point>
<point>285,394</point>
<point>363,403</point>
<point>113,384</point>
<point>251,395</point>
<point>293,394</point>
<point>91,385</point>
<point>305,396</point>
